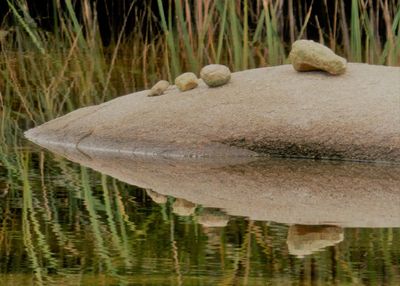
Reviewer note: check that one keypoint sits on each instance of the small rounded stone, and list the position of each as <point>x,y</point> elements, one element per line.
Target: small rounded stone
<point>186,81</point>
<point>215,75</point>
<point>159,88</point>
<point>307,55</point>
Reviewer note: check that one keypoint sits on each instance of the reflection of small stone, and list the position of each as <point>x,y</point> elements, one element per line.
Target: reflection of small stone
<point>156,197</point>
<point>215,75</point>
<point>303,240</point>
<point>209,218</point>
<point>159,88</point>
<point>308,55</point>
<point>4,187</point>
<point>183,207</point>
<point>3,34</point>
<point>186,81</point>
<point>3,192</point>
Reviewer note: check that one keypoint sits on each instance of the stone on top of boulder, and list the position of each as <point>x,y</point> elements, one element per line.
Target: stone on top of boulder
<point>215,75</point>
<point>307,55</point>
<point>186,81</point>
<point>159,88</point>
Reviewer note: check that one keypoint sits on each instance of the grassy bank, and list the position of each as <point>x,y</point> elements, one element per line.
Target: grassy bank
<point>45,73</point>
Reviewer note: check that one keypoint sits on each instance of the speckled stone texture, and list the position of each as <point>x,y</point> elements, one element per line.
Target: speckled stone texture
<point>272,111</point>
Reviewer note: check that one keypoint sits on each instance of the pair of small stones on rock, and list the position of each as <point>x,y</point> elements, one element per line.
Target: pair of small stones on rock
<point>306,55</point>
<point>213,75</point>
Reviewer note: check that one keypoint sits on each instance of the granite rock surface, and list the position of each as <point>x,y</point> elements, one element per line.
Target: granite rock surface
<point>273,111</point>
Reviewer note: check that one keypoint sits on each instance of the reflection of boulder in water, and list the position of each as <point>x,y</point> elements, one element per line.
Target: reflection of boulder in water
<point>301,192</point>
<point>183,207</point>
<point>213,218</point>
<point>303,240</point>
<point>156,197</point>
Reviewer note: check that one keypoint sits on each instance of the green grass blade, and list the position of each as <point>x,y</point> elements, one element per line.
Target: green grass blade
<point>185,36</point>
<point>34,37</point>
<point>221,32</point>
<point>355,33</point>
<point>235,34</point>
<point>170,41</point>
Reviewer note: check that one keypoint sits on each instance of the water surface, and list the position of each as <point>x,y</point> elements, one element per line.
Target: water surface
<point>225,223</point>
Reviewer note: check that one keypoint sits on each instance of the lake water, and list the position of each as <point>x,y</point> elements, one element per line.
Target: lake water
<point>196,223</point>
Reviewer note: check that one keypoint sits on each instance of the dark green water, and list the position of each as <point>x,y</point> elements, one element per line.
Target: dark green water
<point>65,224</point>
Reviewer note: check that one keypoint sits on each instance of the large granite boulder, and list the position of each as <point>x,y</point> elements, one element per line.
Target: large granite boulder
<point>268,111</point>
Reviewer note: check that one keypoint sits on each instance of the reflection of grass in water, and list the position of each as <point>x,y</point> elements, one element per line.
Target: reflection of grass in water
<point>81,226</point>
<point>101,246</point>
<point>40,248</point>
<point>119,240</point>
<point>29,221</point>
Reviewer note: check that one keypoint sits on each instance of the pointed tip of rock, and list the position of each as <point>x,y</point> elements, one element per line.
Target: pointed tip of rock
<point>33,135</point>
<point>30,134</point>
